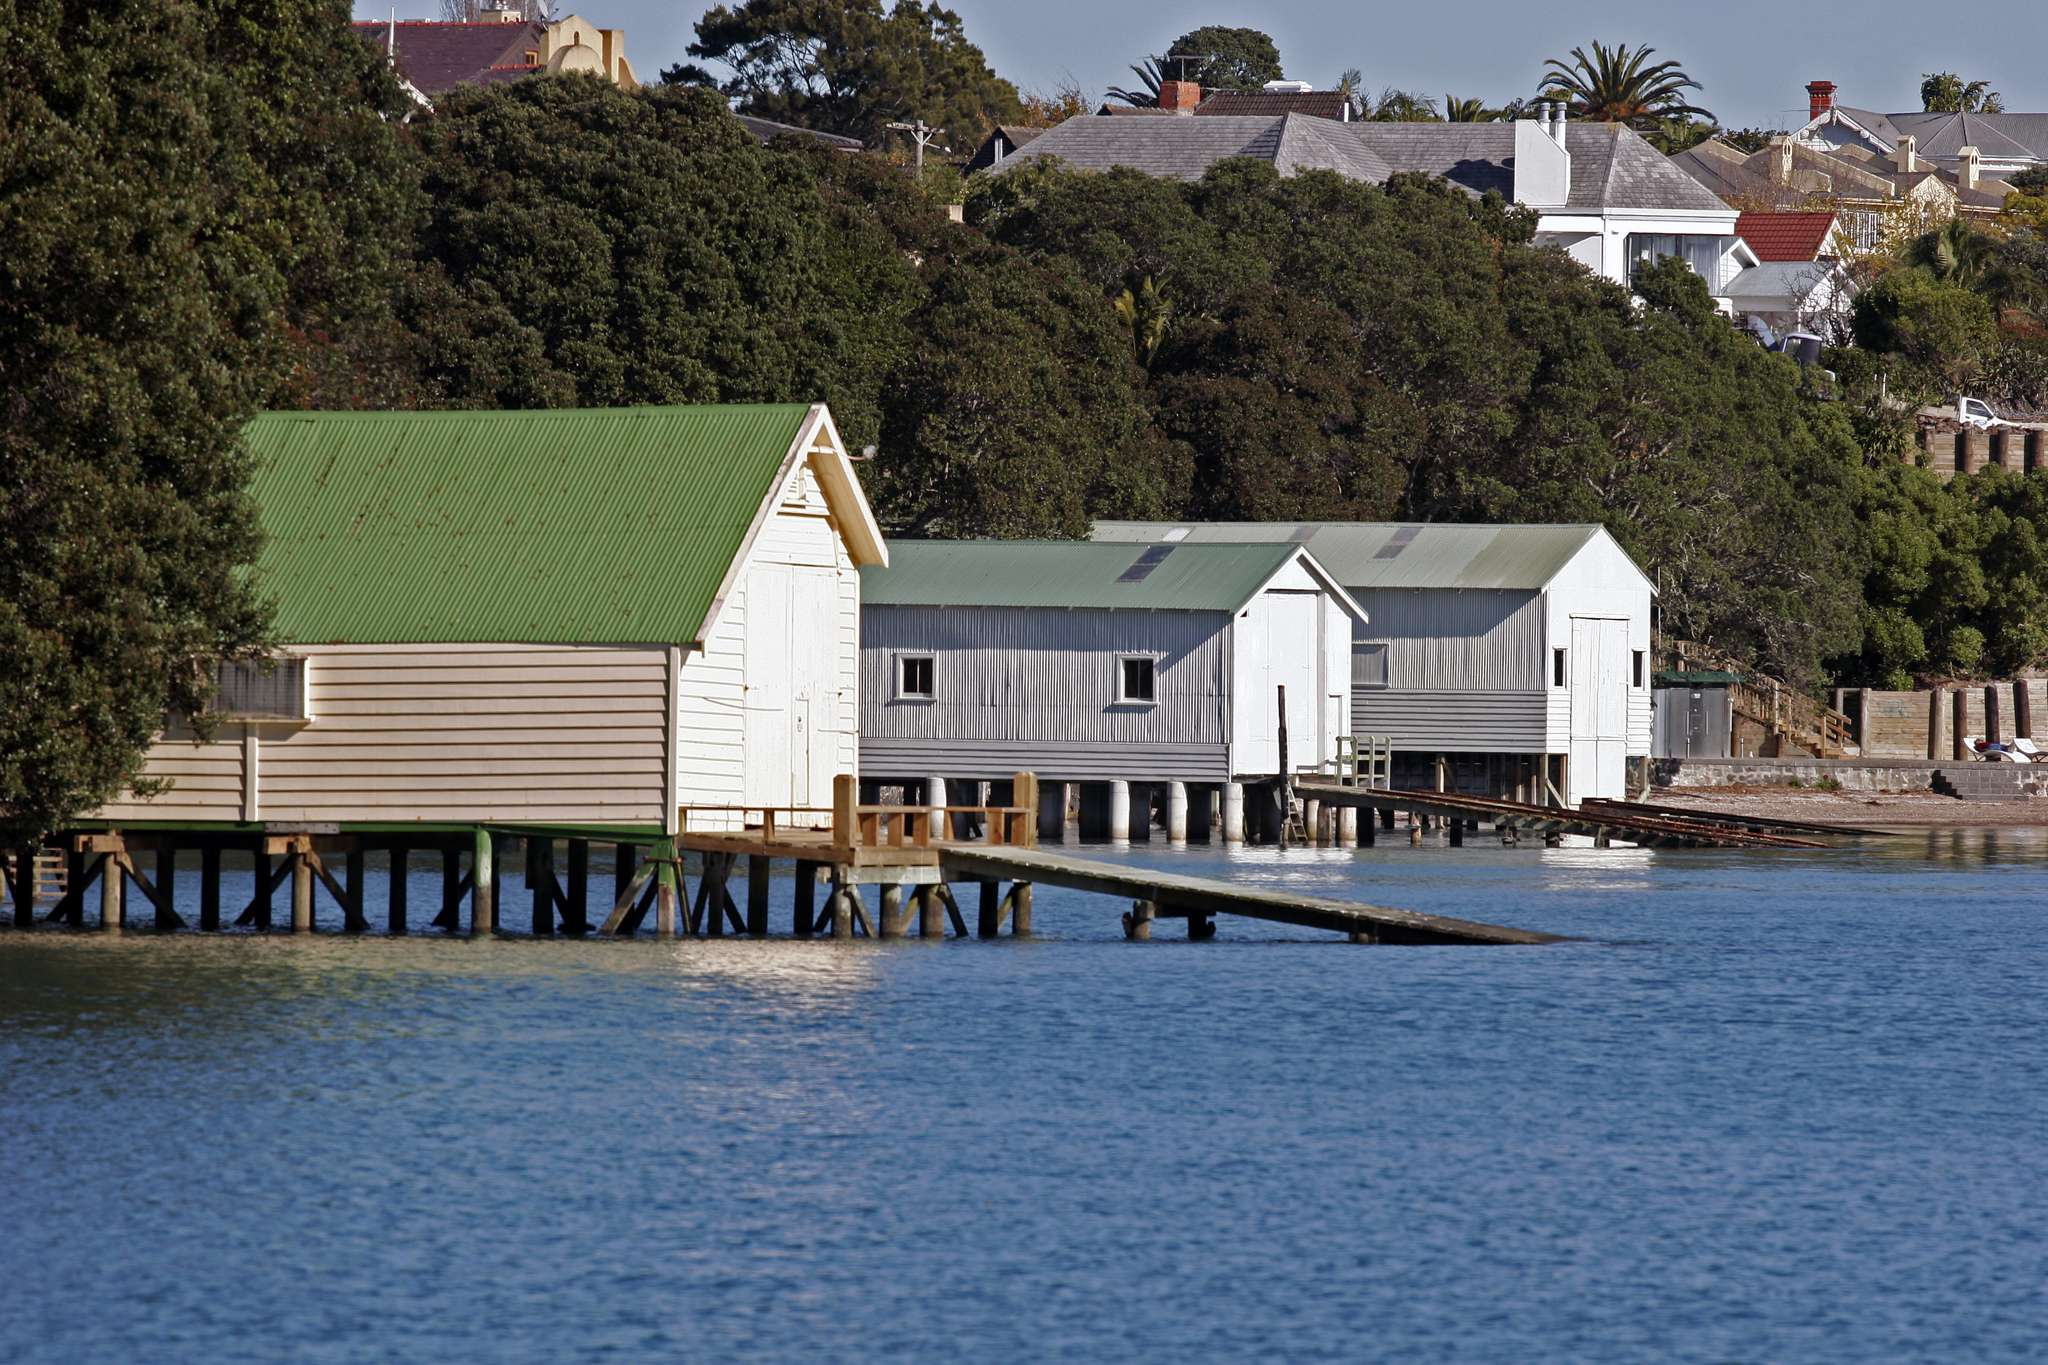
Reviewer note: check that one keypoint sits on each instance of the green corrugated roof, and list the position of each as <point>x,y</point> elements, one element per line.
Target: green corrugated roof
<point>611,525</point>
<point>1069,573</point>
<point>1365,555</point>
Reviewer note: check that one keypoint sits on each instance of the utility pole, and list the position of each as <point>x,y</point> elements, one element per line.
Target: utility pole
<point>923,134</point>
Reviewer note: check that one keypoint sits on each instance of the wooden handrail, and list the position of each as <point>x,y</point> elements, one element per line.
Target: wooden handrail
<point>853,825</point>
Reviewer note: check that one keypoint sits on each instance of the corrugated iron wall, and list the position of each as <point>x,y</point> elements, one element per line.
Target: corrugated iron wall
<point>1466,640</point>
<point>1045,674</point>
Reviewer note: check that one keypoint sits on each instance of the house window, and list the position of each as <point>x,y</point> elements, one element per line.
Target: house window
<point>1640,662</point>
<point>914,676</point>
<point>1557,668</point>
<point>1865,228</point>
<point>1136,678</point>
<point>273,689</point>
<point>1369,664</point>
<point>532,57</point>
<point>1701,254</point>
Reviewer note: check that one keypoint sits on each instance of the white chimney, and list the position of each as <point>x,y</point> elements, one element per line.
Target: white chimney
<point>1543,168</point>
<point>1967,169</point>
<point>1558,127</point>
<point>1907,156</point>
<point>1781,159</point>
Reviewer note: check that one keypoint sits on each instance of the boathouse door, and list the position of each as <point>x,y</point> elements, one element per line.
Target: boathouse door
<point>791,690</point>
<point>1598,666</point>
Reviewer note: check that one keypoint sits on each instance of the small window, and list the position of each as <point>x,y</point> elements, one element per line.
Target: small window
<point>1135,678</point>
<point>1641,663</point>
<point>1369,664</point>
<point>532,57</point>
<point>1557,668</point>
<point>273,689</point>
<point>914,676</point>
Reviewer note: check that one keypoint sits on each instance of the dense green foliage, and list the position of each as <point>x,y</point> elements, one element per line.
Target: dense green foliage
<point>1230,58</point>
<point>850,67</point>
<point>194,201</point>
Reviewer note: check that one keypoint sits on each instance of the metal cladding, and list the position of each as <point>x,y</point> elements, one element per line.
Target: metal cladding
<point>1066,573</point>
<point>611,526</point>
<point>1367,555</point>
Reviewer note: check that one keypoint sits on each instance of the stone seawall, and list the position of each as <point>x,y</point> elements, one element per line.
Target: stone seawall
<point>1854,774</point>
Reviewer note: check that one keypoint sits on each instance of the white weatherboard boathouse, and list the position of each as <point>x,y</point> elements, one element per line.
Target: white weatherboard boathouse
<point>1133,666</point>
<point>1502,659</point>
<point>571,618</point>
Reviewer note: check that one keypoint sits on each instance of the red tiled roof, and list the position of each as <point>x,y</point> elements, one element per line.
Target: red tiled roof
<point>1330,104</point>
<point>438,57</point>
<point>1785,236</point>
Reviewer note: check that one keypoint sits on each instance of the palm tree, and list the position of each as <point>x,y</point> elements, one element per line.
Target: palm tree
<point>1620,85</point>
<point>1467,111</point>
<point>1944,92</point>
<point>1147,97</point>
<point>1402,106</point>
<point>1956,253</point>
<point>1147,313</point>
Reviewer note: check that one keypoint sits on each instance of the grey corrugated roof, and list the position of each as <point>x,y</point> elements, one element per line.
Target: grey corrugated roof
<point>1786,280</point>
<point>1366,555</point>
<point>1612,167</point>
<point>767,129</point>
<point>1066,573</point>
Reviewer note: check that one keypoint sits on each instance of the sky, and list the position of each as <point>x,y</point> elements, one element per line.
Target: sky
<point>1754,57</point>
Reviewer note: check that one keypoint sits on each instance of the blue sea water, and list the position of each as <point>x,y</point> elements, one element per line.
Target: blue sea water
<point>1764,1107</point>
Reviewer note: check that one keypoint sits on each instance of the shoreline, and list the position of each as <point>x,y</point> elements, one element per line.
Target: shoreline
<point>1904,811</point>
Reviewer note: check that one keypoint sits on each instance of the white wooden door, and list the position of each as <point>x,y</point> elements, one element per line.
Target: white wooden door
<point>814,659</point>
<point>1598,664</point>
<point>1294,654</point>
<point>770,694</point>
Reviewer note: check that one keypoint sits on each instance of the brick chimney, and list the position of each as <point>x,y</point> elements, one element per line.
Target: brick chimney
<point>1820,97</point>
<point>1179,97</point>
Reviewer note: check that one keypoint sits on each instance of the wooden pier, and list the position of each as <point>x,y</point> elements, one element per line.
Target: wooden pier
<point>1603,824</point>
<point>1758,824</point>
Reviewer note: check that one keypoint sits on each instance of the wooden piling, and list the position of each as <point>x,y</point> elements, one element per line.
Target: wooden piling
<point>931,911</point>
<point>1201,927</point>
<point>25,886</point>
<point>352,906</point>
<point>302,889</point>
<point>450,917</point>
<point>893,916</point>
<point>166,883</point>
<point>758,872</point>
<point>840,905</point>
<point>540,854</point>
<point>1960,721</point>
<point>576,903</point>
<point>989,922</point>
<point>1020,909</point>
<point>666,891</point>
<point>1934,725</point>
<point>113,888</point>
<point>803,922</point>
<point>1138,921</point>
<point>2022,710</point>
<point>483,883</point>
<point>1991,717</point>
<point>266,888</point>
<point>395,899</point>
<point>625,859</point>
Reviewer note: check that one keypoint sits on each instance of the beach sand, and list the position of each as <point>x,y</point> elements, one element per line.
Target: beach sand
<point>1877,810</point>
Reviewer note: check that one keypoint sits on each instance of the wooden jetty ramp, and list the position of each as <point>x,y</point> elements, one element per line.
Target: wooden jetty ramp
<point>1760,824</point>
<point>1603,824</point>
<point>912,854</point>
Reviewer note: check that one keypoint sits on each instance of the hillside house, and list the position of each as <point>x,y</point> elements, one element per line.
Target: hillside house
<point>1600,191</point>
<point>499,43</point>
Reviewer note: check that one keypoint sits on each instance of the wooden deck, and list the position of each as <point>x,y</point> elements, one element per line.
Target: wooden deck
<point>1172,895</point>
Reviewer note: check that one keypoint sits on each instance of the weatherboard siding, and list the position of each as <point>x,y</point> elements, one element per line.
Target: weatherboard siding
<point>712,691</point>
<point>1045,675</point>
<point>1451,722</point>
<point>206,778</point>
<point>886,760</point>
<point>569,734</point>
<point>1453,639</point>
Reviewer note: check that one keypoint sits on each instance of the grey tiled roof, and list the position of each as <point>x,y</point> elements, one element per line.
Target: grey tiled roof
<point>1945,135</point>
<point>1725,171</point>
<point>1612,167</point>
